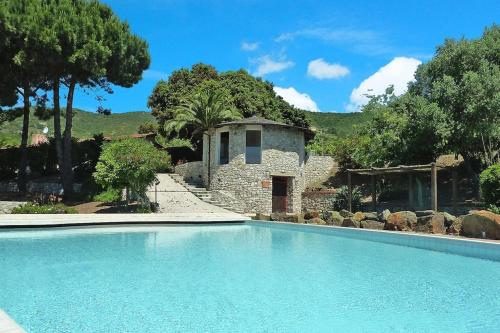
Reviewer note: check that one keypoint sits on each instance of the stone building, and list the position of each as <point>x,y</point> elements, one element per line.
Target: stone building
<point>258,164</point>
<point>261,162</point>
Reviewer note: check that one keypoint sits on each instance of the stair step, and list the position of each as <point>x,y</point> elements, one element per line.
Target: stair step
<point>202,193</point>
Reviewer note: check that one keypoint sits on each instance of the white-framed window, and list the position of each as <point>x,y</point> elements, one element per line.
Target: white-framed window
<point>253,151</point>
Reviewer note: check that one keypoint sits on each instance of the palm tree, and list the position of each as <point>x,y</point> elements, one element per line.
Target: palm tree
<point>203,112</point>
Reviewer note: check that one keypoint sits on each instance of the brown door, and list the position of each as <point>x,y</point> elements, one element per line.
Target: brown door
<point>280,198</point>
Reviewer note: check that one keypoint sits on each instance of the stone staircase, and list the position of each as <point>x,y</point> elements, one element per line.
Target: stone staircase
<point>203,194</point>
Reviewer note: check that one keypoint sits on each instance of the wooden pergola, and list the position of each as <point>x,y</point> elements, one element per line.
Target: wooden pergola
<point>410,169</point>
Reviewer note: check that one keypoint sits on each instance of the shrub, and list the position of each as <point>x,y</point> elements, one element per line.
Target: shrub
<point>489,181</point>
<point>32,208</point>
<point>341,199</point>
<point>131,163</point>
<point>147,128</point>
<point>143,209</point>
<point>494,209</point>
<point>109,196</point>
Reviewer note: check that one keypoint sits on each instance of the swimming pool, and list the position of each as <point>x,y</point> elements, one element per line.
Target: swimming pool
<point>245,278</point>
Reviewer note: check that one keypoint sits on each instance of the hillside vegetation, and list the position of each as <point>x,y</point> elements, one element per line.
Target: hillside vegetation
<point>85,125</point>
<point>340,124</point>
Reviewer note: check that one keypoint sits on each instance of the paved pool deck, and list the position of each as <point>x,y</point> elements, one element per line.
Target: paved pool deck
<point>67,220</point>
<point>7,325</point>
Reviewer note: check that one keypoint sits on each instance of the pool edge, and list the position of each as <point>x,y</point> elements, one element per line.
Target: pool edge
<point>8,325</point>
<point>477,248</point>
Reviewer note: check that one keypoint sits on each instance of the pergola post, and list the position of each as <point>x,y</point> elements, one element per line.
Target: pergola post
<point>374,193</point>
<point>434,200</point>
<point>410,190</point>
<point>349,186</point>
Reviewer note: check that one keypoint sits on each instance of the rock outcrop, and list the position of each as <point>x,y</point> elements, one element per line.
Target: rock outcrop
<point>316,220</point>
<point>371,224</point>
<point>433,224</point>
<point>350,223</point>
<point>311,214</point>
<point>359,216</point>
<point>481,224</point>
<point>455,227</point>
<point>384,215</point>
<point>401,221</point>
<point>345,213</point>
<point>333,218</point>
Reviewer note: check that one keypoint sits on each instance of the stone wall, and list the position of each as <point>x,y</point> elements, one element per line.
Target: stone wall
<point>318,200</point>
<point>226,197</point>
<point>251,184</point>
<point>191,171</point>
<point>38,187</point>
<point>318,168</point>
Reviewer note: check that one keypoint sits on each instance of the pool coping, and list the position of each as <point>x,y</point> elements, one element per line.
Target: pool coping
<point>470,247</point>
<point>8,325</point>
<point>11,221</point>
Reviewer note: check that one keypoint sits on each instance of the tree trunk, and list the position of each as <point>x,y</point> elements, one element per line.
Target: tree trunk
<point>23,162</point>
<point>67,162</point>
<point>57,128</point>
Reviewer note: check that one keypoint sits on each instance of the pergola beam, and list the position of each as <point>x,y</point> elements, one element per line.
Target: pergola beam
<point>397,169</point>
<point>432,168</point>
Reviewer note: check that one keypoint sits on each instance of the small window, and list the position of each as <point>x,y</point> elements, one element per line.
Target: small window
<point>224,148</point>
<point>253,148</point>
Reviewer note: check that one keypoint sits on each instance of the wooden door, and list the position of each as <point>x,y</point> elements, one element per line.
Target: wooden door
<point>280,197</point>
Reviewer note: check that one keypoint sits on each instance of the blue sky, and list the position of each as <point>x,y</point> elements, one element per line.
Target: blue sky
<point>321,55</point>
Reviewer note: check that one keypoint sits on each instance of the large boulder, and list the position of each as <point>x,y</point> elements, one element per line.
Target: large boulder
<point>448,219</point>
<point>433,224</point>
<point>371,224</point>
<point>311,214</point>
<point>455,227</point>
<point>284,217</point>
<point>401,221</point>
<point>316,220</point>
<point>384,215</point>
<point>345,213</point>
<point>420,213</point>
<point>333,218</point>
<point>371,216</point>
<point>359,216</point>
<point>350,223</point>
<point>479,223</point>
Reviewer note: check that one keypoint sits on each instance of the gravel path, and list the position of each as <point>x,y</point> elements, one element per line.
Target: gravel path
<point>7,206</point>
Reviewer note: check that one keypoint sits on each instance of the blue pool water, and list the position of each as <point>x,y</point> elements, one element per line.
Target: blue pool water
<point>241,278</point>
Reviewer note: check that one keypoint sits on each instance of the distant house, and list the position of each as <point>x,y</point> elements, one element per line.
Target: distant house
<point>38,139</point>
<point>258,164</point>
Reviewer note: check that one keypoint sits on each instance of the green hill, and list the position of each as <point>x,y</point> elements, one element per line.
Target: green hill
<point>341,124</point>
<point>85,125</point>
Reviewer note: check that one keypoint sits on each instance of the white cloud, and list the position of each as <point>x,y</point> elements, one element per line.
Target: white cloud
<point>359,40</point>
<point>266,65</point>
<point>246,46</point>
<point>398,73</point>
<point>297,99</point>
<point>320,69</point>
